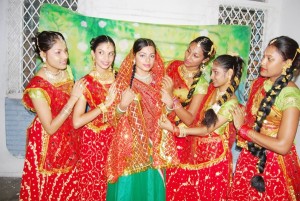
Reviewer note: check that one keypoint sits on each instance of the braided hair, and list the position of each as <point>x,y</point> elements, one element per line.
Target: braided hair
<point>289,49</point>
<point>137,46</point>
<point>209,51</point>
<point>227,62</point>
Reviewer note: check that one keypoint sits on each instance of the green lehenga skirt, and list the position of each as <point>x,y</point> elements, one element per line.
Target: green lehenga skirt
<point>148,185</point>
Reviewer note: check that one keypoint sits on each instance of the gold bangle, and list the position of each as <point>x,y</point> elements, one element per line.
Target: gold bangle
<point>66,111</point>
<point>102,107</point>
<point>182,132</point>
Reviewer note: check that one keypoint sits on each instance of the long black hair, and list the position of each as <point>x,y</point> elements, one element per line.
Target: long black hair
<point>288,48</point>
<point>227,62</point>
<point>209,51</point>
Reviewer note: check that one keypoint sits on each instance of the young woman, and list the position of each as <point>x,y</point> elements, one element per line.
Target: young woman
<point>207,172</point>
<point>268,167</point>
<point>96,132</point>
<point>52,143</point>
<point>139,149</point>
<point>185,86</point>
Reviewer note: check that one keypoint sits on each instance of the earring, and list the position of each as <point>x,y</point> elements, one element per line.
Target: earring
<point>94,64</point>
<point>44,59</point>
<point>286,66</point>
<point>202,66</point>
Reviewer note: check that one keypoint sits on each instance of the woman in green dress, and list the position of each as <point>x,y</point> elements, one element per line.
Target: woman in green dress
<point>139,150</point>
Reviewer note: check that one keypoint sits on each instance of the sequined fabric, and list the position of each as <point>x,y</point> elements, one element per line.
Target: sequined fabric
<point>207,172</point>
<point>139,143</point>
<point>50,162</point>
<point>281,173</point>
<point>95,139</point>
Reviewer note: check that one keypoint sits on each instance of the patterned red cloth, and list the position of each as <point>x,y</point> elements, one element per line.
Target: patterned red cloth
<point>50,162</point>
<point>281,173</point>
<point>181,90</point>
<point>207,174</point>
<point>95,142</point>
<point>138,143</point>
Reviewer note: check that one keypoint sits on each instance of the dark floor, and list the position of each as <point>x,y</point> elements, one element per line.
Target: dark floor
<point>9,188</point>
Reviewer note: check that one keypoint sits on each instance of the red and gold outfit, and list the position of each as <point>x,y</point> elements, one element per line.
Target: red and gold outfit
<point>95,142</point>
<point>139,144</point>
<point>176,71</point>
<point>207,172</point>
<point>282,172</point>
<point>50,162</point>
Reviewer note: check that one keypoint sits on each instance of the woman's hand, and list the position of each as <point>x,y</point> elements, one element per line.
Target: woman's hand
<point>238,114</point>
<point>167,85</point>
<point>128,96</point>
<point>166,98</point>
<point>165,123</point>
<point>78,88</point>
<point>111,95</point>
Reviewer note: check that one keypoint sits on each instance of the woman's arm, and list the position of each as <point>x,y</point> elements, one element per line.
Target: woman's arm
<point>188,116</point>
<point>165,123</point>
<point>43,110</point>
<point>203,130</point>
<point>80,117</point>
<point>45,116</point>
<point>286,133</point>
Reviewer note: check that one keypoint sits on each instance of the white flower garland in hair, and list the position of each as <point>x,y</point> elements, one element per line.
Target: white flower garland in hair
<point>216,107</point>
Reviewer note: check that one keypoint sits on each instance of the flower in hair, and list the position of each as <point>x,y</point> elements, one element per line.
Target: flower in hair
<point>234,54</point>
<point>216,107</point>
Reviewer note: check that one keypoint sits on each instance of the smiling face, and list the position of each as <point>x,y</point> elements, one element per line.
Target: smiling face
<point>220,77</point>
<point>144,60</point>
<point>194,56</point>
<point>57,56</point>
<point>272,63</point>
<point>103,56</point>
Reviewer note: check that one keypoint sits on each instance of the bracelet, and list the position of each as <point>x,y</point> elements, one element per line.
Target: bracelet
<point>244,132</point>
<point>182,132</point>
<point>169,109</point>
<point>102,107</point>
<point>119,109</point>
<point>66,111</point>
<point>175,129</point>
<point>176,104</point>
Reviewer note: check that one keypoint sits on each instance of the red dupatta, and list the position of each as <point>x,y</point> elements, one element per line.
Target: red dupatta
<point>60,150</point>
<point>289,163</point>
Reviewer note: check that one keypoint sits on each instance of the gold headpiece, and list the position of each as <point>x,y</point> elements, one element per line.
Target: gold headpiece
<point>297,51</point>
<point>211,50</point>
<point>203,41</point>
<point>289,62</point>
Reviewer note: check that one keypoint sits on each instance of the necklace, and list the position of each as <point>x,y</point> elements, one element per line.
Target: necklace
<point>53,77</point>
<point>104,78</point>
<point>146,79</point>
<point>187,73</point>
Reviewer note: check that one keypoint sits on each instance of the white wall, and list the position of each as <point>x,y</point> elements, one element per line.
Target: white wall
<point>289,22</point>
<point>9,165</point>
<point>193,12</point>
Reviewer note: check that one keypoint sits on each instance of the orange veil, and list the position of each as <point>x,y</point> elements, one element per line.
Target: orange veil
<point>138,142</point>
